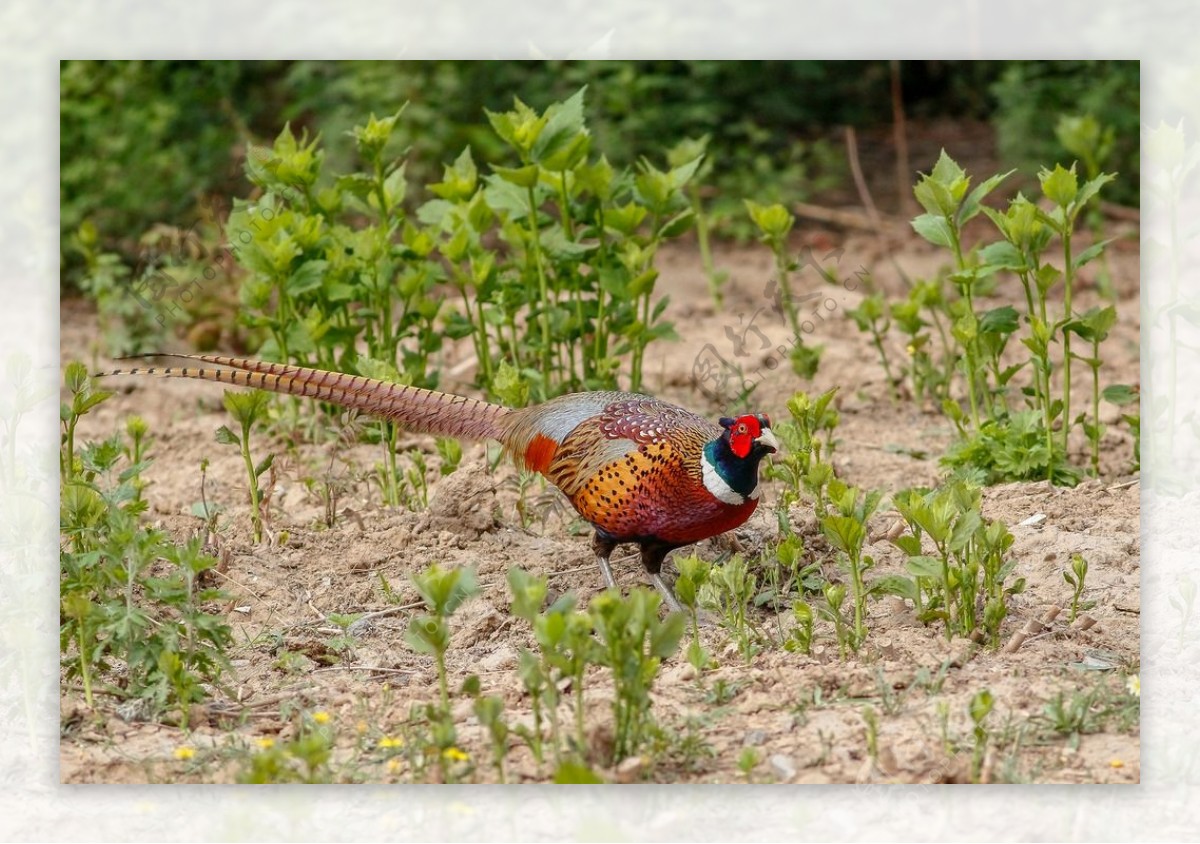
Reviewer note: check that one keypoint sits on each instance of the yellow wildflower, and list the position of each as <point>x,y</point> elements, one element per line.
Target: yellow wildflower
<point>455,755</point>
<point>185,752</point>
<point>321,717</point>
<point>1134,684</point>
<point>266,742</point>
<point>390,742</point>
<point>393,765</point>
<point>1116,763</point>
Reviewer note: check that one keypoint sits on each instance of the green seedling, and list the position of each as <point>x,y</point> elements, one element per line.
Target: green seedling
<point>979,709</point>
<point>872,317</point>
<point>846,530</point>
<point>633,643</point>
<point>831,610</point>
<point>774,222</point>
<point>1076,579</point>
<point>808,445</point>
<point>247,409</point>
<point>800,638</point>
<point>748,760</point>
<point>1093,327</point>
<point>968,569</point>
<point>687,150</point>
<point>84,397</point>
<point>730,591</point>
<point>693,575</point>
<point>443,591</point>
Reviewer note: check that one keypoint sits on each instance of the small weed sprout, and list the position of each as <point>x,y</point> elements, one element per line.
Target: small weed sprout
<point>846,530</point>
<point>443,591</point>
<point>1076,578</point>
<point>968,568</point>
<point>247,409</point>
<point>774,222</point>
<point>979,709</point>
<point>693,575</point>
<point>633,643</point>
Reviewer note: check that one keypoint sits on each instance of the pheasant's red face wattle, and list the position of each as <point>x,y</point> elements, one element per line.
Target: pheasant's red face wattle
<point>743,431</point>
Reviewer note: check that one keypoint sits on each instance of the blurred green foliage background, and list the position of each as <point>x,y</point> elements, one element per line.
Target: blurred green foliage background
<point>151,141</point>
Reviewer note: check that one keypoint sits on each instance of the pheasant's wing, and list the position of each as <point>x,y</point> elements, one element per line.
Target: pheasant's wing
<point>632,439</point>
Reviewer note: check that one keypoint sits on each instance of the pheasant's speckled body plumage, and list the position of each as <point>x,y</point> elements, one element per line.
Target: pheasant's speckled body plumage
<point>639,469</point>
<point>632,466</point>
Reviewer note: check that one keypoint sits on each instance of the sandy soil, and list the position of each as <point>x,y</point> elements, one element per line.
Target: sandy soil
<point>803,714</point>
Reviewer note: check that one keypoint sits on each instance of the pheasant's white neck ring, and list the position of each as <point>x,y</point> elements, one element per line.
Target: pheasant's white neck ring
<point>720,488</point>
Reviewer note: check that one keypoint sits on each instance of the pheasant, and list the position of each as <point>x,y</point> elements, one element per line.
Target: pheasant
<point>638,469</point>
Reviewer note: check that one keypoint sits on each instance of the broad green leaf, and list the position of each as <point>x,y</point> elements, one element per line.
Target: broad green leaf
<point>523,177</point>
<point>934,228</point>
<point>924,566</point>
<point>1002,320</point>
<point>774,221</point>
<point>1120,394</point>
<point>563,139</point>
<point>1089,254</point>
<point>894,584</point>
<point>946,171</point>
<point>1002,254</point>
<point>1091,188</point>
<point>971,206</point>
<point>678,224</point>
<point>1060,185</point>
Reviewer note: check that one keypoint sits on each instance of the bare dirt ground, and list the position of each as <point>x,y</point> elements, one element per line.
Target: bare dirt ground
<point>803,714</point>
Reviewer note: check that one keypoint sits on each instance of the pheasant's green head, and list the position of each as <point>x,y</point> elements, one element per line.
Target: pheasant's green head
<point>731,460</point>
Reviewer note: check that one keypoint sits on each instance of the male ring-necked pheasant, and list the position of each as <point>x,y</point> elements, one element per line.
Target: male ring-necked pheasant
<point>638,469</point>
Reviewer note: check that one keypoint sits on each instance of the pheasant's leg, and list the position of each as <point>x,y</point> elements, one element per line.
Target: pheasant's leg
<point>653,554</point>
<point>668,596</point>
<point>604,548</point>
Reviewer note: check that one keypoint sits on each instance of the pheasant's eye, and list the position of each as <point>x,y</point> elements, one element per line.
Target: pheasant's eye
<point>742,428</point>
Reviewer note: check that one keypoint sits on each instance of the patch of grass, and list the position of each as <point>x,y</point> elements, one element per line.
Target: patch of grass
<point>135,615</point>
<point>1005,433</point>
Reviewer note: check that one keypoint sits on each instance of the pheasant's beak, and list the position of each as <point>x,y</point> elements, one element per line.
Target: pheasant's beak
<point>767,439</point>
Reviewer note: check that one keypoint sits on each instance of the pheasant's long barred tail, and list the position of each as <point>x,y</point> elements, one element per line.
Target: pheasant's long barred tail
<point>413,408</point>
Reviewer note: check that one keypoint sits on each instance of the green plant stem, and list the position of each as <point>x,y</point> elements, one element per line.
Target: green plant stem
<point>568,226</point>
<point>601,339</point>
<point>1068,283</point>
<point>84,669</point>
<point>1024,276</point>
<point>945,557</point>
<point>1048,422</point>
<point>785,287</point>
<point>255,515</point>
<point>390,440</point>
<point>640,351</point>
<point>971,397</point>
<point>68,469</point>
<point>1096,407</point>
<point>970,348</point>
<point>580,732</point>
<point>877,340</point>
<point>860,600</point>
<point>443,685</point>
<point>543,288</point>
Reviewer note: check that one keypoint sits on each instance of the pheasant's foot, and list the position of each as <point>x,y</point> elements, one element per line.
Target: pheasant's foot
<point>606,572</point>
